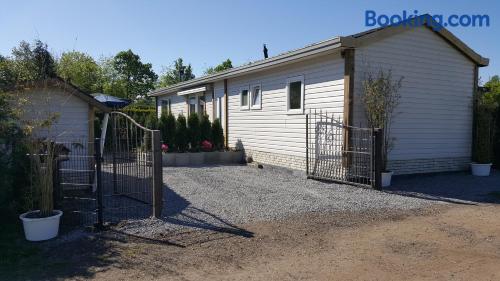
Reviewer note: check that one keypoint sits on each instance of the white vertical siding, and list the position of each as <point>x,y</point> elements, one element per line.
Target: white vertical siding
<point>434,118</point>
<point>72,123</point>
<point>271,129</point>
<point>177,104</point>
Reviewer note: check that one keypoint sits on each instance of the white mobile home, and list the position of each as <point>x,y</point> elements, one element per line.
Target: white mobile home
<point>262,105</point>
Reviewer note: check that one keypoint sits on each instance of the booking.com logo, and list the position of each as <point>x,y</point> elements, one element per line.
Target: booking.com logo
<point>437,21</point>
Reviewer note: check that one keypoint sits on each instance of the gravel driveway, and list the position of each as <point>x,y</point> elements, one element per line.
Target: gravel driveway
<point>221,197</point>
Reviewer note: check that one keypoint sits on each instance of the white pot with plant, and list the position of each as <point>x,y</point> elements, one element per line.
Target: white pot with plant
<point>485,124</point>
<point>43,223</point>
<point>381,97</point>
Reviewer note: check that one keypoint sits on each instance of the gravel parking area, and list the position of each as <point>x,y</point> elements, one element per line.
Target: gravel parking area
<point>220,197</point>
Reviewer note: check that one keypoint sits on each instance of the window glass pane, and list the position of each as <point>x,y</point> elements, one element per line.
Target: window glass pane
<point>165,106</point>
<point>256,96</point>
<point>219,107</point>
<point>192,108</point>
<point>201,108</point>
<point>244,98</point>
<point>295,94</point>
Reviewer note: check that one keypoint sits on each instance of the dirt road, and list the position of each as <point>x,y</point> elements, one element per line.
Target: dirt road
<point>457,242</point>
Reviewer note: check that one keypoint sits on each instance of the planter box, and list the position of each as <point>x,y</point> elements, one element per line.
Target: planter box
<point>196,158</point>
<point>168,159</point>
<point>202,158</point>
<point>181,159</point>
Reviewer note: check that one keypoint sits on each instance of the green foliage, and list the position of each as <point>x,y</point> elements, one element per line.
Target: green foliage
<point>217,134</point>
<point>205,128</point>
<point>178,73</point>
<point>381,97</point>
<point>167,128</point>
<point>32,62</point>
<point>194,131</point>
<point>493,93</point>
<point>7,75</point>
<point>151,122</point>
<point>132,77</point>
<point>140,115</point>
<point>181,134</point>
<point>227,64</point>
<point>81,70</point>
<point>486,113</point>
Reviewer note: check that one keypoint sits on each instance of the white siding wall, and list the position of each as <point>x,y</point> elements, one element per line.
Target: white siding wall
<point>435,115</point>
<point>72,124</point>
<point>271,129</point>
<point>177,104</point>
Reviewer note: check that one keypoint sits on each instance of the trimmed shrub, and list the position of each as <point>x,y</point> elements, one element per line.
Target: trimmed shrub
<point>181,134</point>
<point>151,122</point>
<point>167,128</point>
<point>217,135</point>
<point>194,131</point>
<point>205,129</point>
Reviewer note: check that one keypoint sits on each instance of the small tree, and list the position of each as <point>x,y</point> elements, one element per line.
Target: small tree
<point>151,122</point>
<point>181,134</point>
<point>217,135</point>
<point>205,128</point>
<point>167,128</point>
<point>485,128</point>
<point>381,97</point>
<point>194,131</point>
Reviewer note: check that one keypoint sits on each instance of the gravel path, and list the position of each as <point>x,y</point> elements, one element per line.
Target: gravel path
<point>218,198</point>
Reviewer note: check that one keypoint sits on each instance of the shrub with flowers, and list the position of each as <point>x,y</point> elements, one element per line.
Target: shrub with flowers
<point>164,148</point>
<point>206,145</point>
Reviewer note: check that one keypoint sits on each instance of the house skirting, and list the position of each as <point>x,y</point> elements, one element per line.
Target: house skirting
<point>277,159</point>
<point>429,165</point>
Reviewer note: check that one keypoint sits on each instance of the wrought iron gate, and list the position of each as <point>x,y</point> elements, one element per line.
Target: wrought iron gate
<point>124,175</point>
<point>341,153</point>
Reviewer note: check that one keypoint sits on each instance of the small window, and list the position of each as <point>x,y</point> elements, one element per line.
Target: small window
<point>201,105</point>
<point>295,95</point>
<point>219,107</point>
<point>256,97</point>
<point>192,105</point>
<point>244,96</point>
<point>165,106</point>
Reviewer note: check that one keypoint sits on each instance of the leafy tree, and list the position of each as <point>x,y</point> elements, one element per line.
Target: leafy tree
<point>167,128</point>
<point>227,64</point>
<point>194,131</point>
<point>126,76</point>
<point>81,70</point>
<point>493,87</point>
<point>178,73</point>
<point>33,62</point>
<point>151,122</point>
<point>205,128</point>
<point>217,134</point>
<point>181,134</point>
<point>7,76</point>
<point>493,94</point>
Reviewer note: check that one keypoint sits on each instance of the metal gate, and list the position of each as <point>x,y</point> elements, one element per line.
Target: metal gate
<point>123,175</point>
<point>341,153</point>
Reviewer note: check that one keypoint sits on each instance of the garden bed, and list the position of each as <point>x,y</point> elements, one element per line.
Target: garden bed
<point>202,158</point>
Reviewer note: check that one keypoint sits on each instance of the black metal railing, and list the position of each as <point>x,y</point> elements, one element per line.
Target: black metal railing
<point>340,153</point>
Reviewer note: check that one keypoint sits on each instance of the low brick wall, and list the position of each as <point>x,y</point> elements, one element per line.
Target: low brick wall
<point>429,165</point>
<point>400,167</point>
<point>276,159</point>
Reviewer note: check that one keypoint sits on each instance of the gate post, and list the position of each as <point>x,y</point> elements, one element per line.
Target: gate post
<point>379,140</point>
<point>97,157</point>
<point>157,174</point>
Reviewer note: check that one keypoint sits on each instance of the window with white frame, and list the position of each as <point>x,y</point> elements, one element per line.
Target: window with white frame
<point>165,106</point>
<point>256,97</point>
<point>192,105</point>
<point>201,105</point>
<point>295,94</point>
<point>244,98</point>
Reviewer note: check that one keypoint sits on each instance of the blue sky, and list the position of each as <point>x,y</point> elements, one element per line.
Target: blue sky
<point>205,33</point>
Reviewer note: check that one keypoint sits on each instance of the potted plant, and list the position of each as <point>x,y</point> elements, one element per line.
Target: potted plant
<point>483,145</point>
<point>381,97</point>
<point>43,223</point>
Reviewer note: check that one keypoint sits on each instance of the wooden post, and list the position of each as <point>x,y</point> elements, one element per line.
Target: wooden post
<point>157,174</point>
<point>226,117</point>
<point>348,103</point>
<point>379,140</point>
<point>307,145</point>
